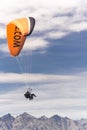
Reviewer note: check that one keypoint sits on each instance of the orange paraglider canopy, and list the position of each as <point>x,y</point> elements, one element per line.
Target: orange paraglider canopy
<point>17,30</point>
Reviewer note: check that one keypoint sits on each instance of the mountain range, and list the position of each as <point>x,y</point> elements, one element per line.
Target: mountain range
<point>26,121</point>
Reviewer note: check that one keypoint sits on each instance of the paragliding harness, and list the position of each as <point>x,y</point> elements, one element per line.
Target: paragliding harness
<point>29,95</point>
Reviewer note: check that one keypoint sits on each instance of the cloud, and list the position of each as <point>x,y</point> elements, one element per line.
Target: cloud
<point>4,48</point>
<point>62,94</point>
<point>77,27</point>
<point>57,34</point>
<point>2,32</point>
<point>35,43</point>
<point>16,77</point>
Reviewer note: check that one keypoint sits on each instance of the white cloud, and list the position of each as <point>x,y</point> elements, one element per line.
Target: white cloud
<point>57,34</point>
<point>2,32</point>
<point>77,27</point>
<point>62,94</point>
<point>16,77</point>
<point>35,43</point>
<point>4,48</point>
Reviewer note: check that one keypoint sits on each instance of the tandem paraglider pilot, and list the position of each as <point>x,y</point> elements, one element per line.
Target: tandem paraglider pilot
<point>29,95</point>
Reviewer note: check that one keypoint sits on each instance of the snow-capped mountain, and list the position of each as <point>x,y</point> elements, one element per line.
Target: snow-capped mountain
<point>29,122</point>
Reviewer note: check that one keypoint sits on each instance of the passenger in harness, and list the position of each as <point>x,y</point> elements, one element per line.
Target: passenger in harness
<point>29,95</point>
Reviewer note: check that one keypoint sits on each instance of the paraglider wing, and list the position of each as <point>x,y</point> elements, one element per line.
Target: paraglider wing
<point>17,30</point>
<point>32,24</point>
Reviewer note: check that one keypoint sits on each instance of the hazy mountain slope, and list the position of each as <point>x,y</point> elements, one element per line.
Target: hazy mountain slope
<point>6,122</point>
<point>29,122</point>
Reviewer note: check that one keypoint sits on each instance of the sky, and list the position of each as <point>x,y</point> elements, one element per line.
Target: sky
<point>53,61</point>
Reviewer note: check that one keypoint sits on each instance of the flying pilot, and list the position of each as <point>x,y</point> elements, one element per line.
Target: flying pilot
<point>29,95</point>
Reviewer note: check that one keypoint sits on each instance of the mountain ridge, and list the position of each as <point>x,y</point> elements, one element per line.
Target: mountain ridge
<point>26,121</point>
